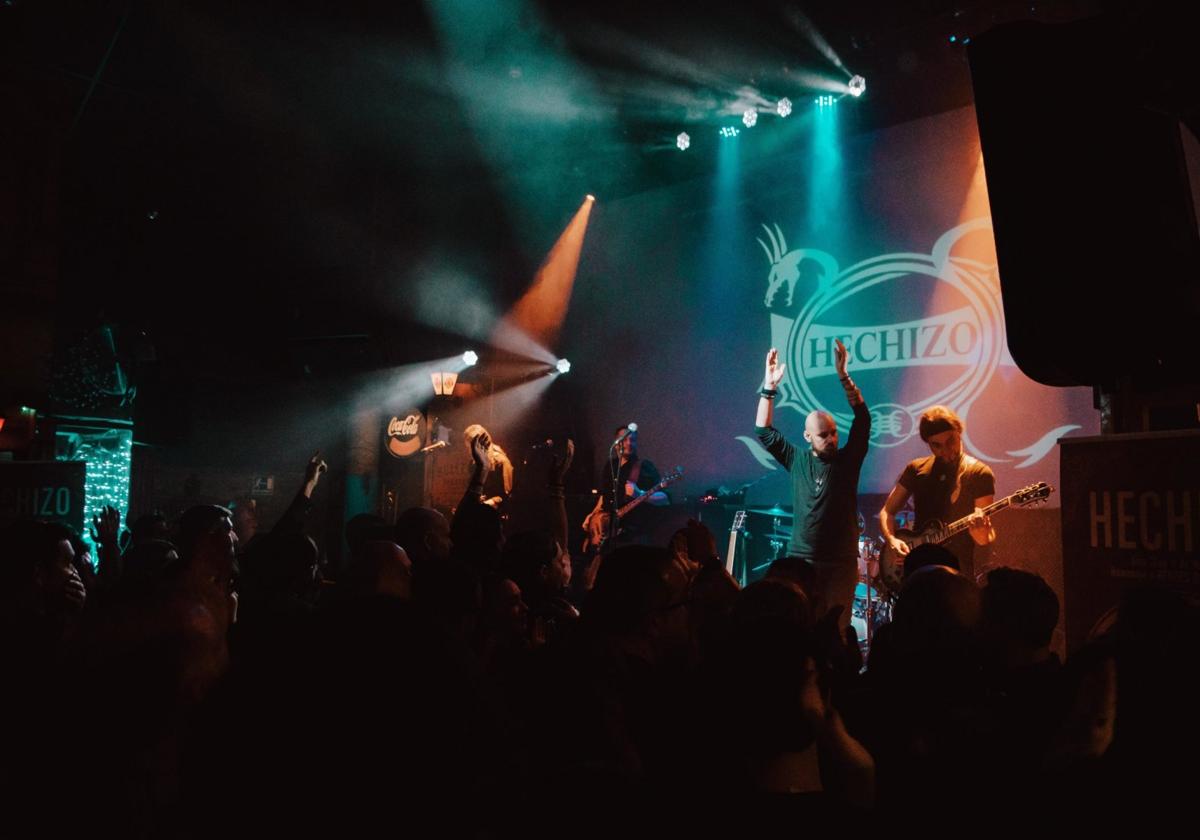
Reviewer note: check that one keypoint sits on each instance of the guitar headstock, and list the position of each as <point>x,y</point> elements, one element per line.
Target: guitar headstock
<point>671,477</point>
<point>1032,494</point>
<point>739,521</point>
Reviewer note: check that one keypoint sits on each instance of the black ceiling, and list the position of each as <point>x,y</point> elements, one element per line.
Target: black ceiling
<point>252,173</point>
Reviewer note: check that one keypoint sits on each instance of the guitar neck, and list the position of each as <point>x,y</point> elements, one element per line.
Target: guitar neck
<point>739,522</point>
<point>630,505</point>
<point>729,554</point>
<point>959,525</point>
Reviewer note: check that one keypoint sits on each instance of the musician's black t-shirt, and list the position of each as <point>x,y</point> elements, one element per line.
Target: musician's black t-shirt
<point>647,477</point>
<point>644,475</point>
<point>946,492</point>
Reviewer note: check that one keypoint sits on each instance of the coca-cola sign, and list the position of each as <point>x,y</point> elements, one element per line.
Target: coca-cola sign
<point>405,433</point>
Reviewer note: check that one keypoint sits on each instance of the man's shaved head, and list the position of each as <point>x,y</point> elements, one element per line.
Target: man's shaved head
<point>820,430</point>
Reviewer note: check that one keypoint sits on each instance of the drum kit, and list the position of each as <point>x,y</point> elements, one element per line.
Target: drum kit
<point>873,601</point>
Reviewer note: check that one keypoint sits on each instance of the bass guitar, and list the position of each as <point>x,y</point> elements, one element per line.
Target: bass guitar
<point>599,524</point>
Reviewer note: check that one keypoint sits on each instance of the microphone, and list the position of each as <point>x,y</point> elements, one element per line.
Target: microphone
<point>629,429</point>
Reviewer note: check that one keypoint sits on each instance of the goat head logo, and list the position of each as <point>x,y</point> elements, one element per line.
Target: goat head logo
<point>785,267</point>
<point>790,267</point>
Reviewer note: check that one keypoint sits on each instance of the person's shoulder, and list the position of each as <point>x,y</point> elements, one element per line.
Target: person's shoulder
<point>646,469</point>
<point>976,467</point>
<point>921,466</point>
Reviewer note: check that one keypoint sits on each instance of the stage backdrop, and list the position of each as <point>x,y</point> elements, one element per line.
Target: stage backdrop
<point>883,240</point>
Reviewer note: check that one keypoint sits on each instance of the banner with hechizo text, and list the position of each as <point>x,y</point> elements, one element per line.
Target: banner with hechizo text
<point>1130,516</point>
<point>49,490</point>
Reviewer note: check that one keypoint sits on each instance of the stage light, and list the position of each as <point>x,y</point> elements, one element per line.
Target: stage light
<point>563,366</point>
<point>729,131</point>
<point>857,86</point>
<point>750,117</point>
<point>683,141</point>
<point>470,358</point>
<point>784,107</point>
<point>825,101</point>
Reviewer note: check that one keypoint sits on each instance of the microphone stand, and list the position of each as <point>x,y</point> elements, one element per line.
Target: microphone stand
<point>614,462</point>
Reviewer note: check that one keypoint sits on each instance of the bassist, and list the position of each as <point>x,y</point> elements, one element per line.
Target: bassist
<point>633,477</point>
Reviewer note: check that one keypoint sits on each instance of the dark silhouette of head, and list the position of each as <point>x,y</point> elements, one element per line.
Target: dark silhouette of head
<point>35,563</point>
<point>1020,611</point>
<point>537,563</point>
<point>424,534</point>
<point>929,554</point>
<point>209,526</point>
<point>477,535</point>
<point>631,587</point>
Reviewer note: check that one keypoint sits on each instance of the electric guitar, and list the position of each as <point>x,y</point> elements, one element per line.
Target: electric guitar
<point>597,524</point>
<point>891,563</point>
<point>739,523</point>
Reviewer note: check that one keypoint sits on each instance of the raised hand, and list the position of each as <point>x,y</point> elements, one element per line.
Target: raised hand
<point>774,370</point>
<point>841,356</point>
<point>106,527</point>
<point>561,463</point>
<point>313,471</point>
<point>316,466</point>
<point>480,450</point>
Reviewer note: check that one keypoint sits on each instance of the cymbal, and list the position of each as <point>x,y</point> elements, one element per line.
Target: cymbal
<point>777,535</point>
<point>771,511</point>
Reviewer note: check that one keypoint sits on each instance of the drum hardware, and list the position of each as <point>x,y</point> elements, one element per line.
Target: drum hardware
<point>776,510</point>
<point>872,607</point>
<point>871,610</point>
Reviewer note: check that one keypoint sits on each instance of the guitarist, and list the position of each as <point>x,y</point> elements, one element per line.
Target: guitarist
<point>947,485</point>
<point>634,476</point>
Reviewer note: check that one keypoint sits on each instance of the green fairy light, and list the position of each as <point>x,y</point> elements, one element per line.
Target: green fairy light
<point>108,453</point>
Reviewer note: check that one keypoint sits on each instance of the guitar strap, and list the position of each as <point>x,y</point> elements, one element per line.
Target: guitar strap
<point>635,472</point>
<point>963,462</point>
